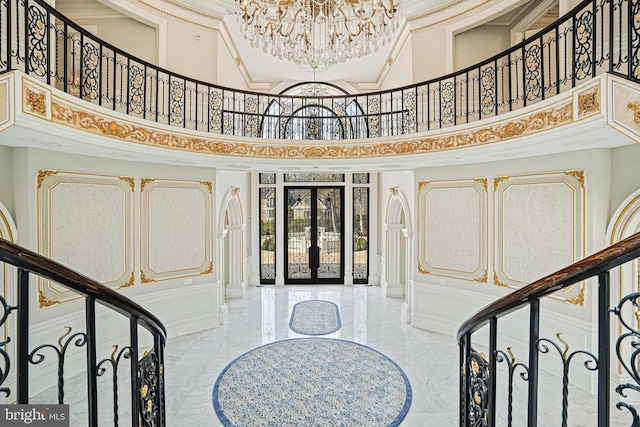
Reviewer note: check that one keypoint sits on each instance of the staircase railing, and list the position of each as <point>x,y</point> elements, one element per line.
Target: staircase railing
<point>145,394</point>
<point>597,36</point>
<point>479,372</point>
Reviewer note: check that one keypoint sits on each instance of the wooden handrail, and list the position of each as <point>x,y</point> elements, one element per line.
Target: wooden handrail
<point>591,266</point>
<point>28,260</point>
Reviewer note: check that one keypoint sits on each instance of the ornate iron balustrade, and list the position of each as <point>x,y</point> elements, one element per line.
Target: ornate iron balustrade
<point>145,394</point>
<point>478,379</point>
<point>597,36</point>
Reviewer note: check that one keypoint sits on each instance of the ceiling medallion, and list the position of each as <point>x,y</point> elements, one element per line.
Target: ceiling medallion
<point>316,34</point>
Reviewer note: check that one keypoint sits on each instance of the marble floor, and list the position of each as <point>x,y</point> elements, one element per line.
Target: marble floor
<point>430,360</point>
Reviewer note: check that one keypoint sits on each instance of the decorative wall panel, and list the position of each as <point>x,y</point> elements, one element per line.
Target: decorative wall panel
<point>36,99</point>
<point>85,222</point>
<point>452,228</point>
<point>176,224</point>
<point>539,228</point>
<point>6,101</point>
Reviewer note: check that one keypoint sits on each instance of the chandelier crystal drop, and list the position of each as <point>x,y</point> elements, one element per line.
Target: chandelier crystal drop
<point>317,34</point>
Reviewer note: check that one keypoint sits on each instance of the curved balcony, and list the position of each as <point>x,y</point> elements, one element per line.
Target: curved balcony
<point>532,87</point>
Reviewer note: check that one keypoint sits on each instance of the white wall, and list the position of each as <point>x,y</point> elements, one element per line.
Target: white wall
<point>192,50</point>
<point>480,43</point>
<point>183,308</point>
<point>441,304</point>
<point>625,174</point>
<point>120,32</point>
<point>6,181</point>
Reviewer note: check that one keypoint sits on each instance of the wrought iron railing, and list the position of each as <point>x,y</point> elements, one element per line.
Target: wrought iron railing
<point>145,401</point>
<point>479,389</point>
<point>597,36</point>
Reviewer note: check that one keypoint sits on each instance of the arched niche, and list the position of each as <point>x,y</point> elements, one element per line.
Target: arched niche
<point>231,234</point>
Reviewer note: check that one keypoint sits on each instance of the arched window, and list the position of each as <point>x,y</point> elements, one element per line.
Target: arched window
<point>332,115</point>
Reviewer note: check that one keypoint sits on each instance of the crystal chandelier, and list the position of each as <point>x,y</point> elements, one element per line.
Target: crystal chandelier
<point>317,34</point>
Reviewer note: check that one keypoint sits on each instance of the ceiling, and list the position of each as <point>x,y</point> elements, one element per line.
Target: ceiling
<point>262,67</point>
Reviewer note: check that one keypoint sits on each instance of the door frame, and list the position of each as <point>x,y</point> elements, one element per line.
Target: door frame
<point>314,235</point>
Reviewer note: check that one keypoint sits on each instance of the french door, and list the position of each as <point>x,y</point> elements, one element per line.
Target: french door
<point>314,241</point>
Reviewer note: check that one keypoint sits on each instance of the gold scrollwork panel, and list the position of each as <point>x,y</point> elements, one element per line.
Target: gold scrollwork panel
<point>452,228</point>
<point>176,229</point>
<point>539,228</point>
<point>85,221</point>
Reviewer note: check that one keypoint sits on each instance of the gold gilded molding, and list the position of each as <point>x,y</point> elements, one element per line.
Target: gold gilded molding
<point>483,182</point>
<point>588,102</point>
<point>636,111</point>
<point>37,101</point>
<point>566,345</point>
<point>497,180</point>
<point>483,278</point>
<point>422,270</point>
<point>144,278</point>
<point>129,283</point>
<point>44,174</point>
<point>44,301</point>
<point>578,299</point>
<point>455,15</point>
<point>209,186</point>
<point>238,61</point>
<point>525,125</point>
<point>421,185</point>
<point>129,181</point>
<point>164,11</point>
<point>499,282</point>
<point>144,182</point>
<point>579,175</point>
<point>209,269</point>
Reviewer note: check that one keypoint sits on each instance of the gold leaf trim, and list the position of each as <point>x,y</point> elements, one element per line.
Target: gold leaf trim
<point>37,101</point>
<point>422,184</point>
<point>44,174</point>
<point>209,269</point>
<point>636,111</point>
<point>144,278</point>
<point>566,345</point>
<point>422,270</point>
<point>159,9</point>
<point>526,125</point>
<point>128,283</point>
<point>129,181</point>
<point>499,282</point>
<point>43,301</point>
<point>483,278</point>
<point>579,175</point>
<point>144,390</point>
<point>144,182</point>
<point>578,299</point>
<point>497,180</point>
<point>455,15</point>
<point>209,186</point>
<point>588,102</point>
<point>483,182</point>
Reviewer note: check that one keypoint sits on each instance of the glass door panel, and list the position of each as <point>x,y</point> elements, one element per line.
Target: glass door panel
<point>298,229</point>
<point>314,230</point>
<point>329,232</point>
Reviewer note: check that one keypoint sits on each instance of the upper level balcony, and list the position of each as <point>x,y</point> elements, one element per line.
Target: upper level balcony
<point>561,78</point>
